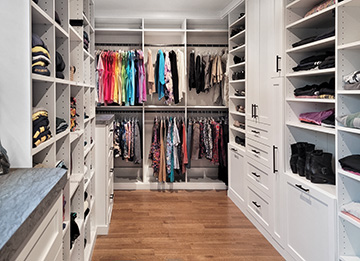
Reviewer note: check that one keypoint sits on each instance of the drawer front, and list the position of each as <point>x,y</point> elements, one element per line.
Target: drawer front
<point>258,207</point>
<point>259,152</point>
<point>259,176</point>
<point>257,134</point>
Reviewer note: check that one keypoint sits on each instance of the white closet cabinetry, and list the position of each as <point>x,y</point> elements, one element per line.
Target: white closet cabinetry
<point>105,172</point>
<point>310,222</point>
<point>237,176</point>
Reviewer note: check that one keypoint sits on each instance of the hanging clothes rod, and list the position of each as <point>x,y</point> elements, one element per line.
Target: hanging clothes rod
<point>164,45</point>
<point>118,44</point>
<point>207,45</point>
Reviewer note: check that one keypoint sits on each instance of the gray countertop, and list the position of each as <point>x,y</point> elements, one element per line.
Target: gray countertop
<point>25,197</point>
<point>104,119</point>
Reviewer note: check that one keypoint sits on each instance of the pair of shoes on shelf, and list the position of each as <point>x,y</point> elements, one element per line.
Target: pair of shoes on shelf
<point>240,141</point>
<point>238,59</point>
<point>240,125</point>
<point>313,164</point>
<point>238,75</point>
<point>241,15</point>
<point>237,30</point>
<point>239,93</point>
<point>240,108</point>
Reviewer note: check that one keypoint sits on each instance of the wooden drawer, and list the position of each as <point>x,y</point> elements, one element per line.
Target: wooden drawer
<point>259,152</point>
<point>257,134</point>
<point>258,207</point>
<point>258,175</point>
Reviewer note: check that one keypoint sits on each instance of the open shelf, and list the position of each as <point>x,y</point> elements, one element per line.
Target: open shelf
<point>349,219</point>
<point>315,100</point>
<point>321,19</point>
<point>238,22</point>
<point>238,36</point>
<point>311,127</point>
<point>314,46</point>
<point>314,72</point>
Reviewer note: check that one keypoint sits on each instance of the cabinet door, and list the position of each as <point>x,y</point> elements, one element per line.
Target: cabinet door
<point>237,174</point>
<point>252,56</point>
<point>310,223</point>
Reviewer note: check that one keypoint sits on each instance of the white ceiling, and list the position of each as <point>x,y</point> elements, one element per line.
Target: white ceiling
<point>162,9</point>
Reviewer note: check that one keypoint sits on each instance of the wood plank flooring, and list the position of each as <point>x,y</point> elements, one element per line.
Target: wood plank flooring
<point>180,225</point>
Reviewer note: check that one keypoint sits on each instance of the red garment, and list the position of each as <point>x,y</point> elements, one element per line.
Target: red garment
<point>184,150</point>
<point>215,158</point>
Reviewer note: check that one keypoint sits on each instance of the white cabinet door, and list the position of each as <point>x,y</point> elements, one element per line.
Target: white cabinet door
<point>237,174</point>
<point>310,223</point>
<point>252,57</point>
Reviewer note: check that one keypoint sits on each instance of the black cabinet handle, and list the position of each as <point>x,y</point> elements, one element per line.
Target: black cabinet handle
<point>111,130</point>
<point>112,170</point>
<point>233,149</point>
<point>256,175</point>
<point>256,132</point>
<point>302,188</point>
<point>252,110</point>
<point>256,204</point>
<point>255,110</point>
<point>111,196</point>
<point>255,151</point>
<point>278,58</point>
<point>274,159</point>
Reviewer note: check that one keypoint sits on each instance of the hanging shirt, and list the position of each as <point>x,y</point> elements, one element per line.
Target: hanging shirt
<point>161,75</point>
<point>100,69</point>
<point>176,142</point>
<point>150,74</point>
<point>181,73</point>
<point>175,76</point>
<point>169,92</point>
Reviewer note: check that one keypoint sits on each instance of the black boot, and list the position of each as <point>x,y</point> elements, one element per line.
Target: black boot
<point>303,147</point>
<point>321,169</point>
<point>308,162</point>
<point>294,158</point>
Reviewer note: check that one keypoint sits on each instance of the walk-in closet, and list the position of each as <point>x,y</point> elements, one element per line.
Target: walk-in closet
<point>182,130</point>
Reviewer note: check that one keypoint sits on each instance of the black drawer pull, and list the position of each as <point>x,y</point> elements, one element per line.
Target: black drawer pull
<point>111,130</point>
<point>255,151</point>
<point>111,196</point>
<point>302,188</point>
<point>256,175</point>
<point>256,132</point>
<point>233,149</point>
<point>111,170</point>
<point>256,204</point>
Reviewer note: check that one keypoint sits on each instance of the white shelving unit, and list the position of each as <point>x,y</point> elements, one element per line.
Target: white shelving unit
<point>298,27</point>
<point>53,94</point>
<point>185,35</point>
<point>347,139</point>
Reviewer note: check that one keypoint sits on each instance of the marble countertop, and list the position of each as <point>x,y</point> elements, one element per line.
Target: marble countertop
<point>25,197</point>
<point>104,119</point>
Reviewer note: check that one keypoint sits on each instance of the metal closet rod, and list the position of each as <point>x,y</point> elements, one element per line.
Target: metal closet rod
<point>161,45</point>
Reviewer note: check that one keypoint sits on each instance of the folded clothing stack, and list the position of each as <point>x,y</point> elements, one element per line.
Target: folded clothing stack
<point>86,41</point>
<point>352,81</point>
<point>40,56</point>
<point>61,125</point>
<point>60,66</point>
<point>325,90</point>
<point>322,61</point>
<point>351,163</point>
<point>350,120</point>
<point>322,118</point>
<point>73,114</point>
<point>41,127</point>
<point>314,38</point>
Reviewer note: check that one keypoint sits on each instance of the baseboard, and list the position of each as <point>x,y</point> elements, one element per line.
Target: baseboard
<point>102,230</point>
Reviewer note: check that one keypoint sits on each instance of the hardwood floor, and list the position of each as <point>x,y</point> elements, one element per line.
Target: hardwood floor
<point>180,225</point>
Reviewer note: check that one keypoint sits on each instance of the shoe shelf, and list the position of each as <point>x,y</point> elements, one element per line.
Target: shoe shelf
<point>238,22</point>
<point>314,46</point>
<point>238,113</point>
<point>238,37</point>
<point>238,81</point>
<point>39,16</point>
<point>237,66</point>
<point>237,129</point>
<point>237,97</point>
<point>348,174</point>
<point>240,49</point>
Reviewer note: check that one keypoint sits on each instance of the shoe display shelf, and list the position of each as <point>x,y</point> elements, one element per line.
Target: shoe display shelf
<point>348,102</point>
<point>298,27</point>
<point>237,90</point>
